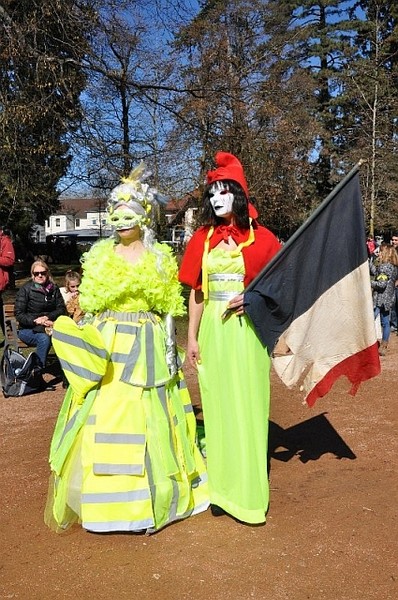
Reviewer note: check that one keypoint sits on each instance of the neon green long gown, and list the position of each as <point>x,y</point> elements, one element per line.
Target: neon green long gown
<point>234,385</point>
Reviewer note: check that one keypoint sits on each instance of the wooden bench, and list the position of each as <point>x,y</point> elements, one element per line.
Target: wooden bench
<point>11,328</point>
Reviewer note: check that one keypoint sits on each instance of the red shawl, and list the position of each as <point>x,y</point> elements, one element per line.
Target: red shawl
<point>255,256</point>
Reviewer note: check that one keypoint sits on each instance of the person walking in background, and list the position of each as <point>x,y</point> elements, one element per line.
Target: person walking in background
<point>394,307</point>
<point>385,273</point>
<point>123,455</point>
<point>38,304</point>
<point>221,258</point>
<point>7,260</point>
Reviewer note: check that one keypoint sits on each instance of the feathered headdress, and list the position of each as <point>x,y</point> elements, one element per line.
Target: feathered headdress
<point>132,190</point>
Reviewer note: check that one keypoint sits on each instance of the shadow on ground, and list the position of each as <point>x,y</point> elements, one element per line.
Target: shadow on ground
<point>308,440</point>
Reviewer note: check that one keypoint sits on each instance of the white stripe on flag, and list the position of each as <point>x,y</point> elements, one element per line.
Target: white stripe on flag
<point>338,325</point>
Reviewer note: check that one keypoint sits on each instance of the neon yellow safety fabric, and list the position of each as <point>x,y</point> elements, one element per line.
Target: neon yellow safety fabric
<point>123,454</point>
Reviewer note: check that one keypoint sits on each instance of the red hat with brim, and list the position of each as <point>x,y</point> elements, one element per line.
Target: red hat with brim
<point>229,167</point>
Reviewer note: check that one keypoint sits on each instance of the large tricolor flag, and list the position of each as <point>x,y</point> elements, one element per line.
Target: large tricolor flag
<point>312,304</point>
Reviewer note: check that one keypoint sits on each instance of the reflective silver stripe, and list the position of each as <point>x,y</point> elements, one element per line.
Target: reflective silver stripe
<point>103,526</point>
<point>99,498</point>
<point>77,370</point>
<point>80,343</point>
<point>130,317</point>
<point>222,295</point>
<point>174,500</point>
<point>117,469</point>
<point>163,402</point>
<point>150,355</point>
<point>119,357</point>
<point>126,328</point>
<point>132,357</point>
<point>68,427</point>
<point>91,420</point>
<point>120,438</point>
<point>226,277</point>
<point>149,473</point>
<point>182,384</point>
<point>188,408</point>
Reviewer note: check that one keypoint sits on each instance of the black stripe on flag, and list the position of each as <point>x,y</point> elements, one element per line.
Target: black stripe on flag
<point>329,246</point>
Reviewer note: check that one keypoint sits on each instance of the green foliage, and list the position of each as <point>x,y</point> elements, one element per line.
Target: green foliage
<point>41,47</point>
<point>299,90</point>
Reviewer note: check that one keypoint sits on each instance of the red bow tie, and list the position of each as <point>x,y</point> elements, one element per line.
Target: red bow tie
<point>227,231</point>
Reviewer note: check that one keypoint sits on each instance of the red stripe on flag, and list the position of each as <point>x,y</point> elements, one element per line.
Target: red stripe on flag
<point>357,368</point>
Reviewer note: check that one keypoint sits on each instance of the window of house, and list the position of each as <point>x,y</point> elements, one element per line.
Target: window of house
<point>57,222</point>
<point>77,222</point>
<point>94,221</point>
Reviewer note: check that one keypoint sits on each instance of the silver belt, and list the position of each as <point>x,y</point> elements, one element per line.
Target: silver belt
<point>226,277</point>
<point>222,296</point>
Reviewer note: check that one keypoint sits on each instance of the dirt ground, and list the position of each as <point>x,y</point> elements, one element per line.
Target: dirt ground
<point>331,532</point>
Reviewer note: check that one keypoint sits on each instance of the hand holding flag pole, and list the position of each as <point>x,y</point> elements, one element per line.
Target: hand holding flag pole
<point>268,267</point>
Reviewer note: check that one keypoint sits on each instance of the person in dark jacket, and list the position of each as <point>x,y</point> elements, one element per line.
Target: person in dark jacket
<point>38,304</point>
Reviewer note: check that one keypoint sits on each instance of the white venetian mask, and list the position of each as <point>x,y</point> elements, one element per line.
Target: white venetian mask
<point>221,198</point>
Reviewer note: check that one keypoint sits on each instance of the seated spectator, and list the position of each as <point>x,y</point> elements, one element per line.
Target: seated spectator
<point>70,294</point>
<point>38,304</point>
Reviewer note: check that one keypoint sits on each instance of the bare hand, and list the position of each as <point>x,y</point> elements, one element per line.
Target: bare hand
<point>44,320</point>
<point>41,320</point>
<point>193,353</point>
<point>237,305</point>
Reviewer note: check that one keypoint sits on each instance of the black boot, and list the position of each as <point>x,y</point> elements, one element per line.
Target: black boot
<point>217,511</point>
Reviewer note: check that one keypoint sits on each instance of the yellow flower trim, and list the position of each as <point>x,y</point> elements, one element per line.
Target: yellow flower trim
<point>110,282</point>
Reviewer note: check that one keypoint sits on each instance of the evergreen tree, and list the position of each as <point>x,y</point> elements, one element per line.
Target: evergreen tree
<point>42,45</point>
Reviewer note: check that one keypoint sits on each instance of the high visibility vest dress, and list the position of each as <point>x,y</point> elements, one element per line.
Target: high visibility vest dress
<point>123,454</point>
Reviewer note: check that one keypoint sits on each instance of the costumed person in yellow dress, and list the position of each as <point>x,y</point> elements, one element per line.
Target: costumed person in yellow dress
<point>123,454</point>
<point>221,258</point>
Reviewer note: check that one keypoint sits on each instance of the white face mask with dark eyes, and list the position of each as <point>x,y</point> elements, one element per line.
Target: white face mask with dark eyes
<point>221,198</point>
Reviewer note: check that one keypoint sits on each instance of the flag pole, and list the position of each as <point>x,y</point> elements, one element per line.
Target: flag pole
<point>306,223</point>
<point>300,230</point>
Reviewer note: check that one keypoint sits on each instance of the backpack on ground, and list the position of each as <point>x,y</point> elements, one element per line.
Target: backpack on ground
<point>20,376</point>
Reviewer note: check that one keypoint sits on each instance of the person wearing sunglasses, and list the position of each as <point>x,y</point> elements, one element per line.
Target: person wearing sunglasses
<point>38,304</point>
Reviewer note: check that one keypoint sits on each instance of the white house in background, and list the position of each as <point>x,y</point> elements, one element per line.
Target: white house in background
<point>86,218</point>
<point>77,214</point>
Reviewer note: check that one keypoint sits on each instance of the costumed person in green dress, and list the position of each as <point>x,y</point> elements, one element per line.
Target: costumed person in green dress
<point>123,455</point>
<point>221,258</point>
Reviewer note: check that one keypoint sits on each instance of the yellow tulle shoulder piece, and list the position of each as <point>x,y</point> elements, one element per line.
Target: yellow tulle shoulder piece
<point>110,282</point>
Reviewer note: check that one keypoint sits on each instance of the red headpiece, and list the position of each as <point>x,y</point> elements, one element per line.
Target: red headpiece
<point>229,167</point>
